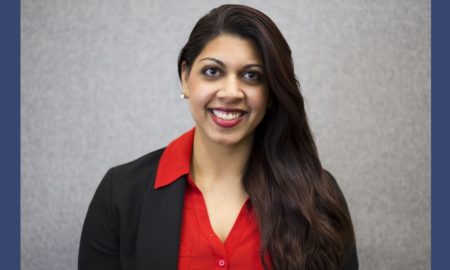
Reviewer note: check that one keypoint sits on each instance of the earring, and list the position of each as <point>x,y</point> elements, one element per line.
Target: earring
<point>183,96</point>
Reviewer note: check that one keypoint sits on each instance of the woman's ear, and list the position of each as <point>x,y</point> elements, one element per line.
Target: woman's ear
<point>184,79</point>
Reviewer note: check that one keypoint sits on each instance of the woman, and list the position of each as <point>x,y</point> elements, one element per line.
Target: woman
<point>245,188</point>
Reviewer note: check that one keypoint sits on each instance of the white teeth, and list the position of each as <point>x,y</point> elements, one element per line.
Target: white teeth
<point>226,115</point>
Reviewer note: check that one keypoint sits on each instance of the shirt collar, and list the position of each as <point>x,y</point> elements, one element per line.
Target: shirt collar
<point>175,160</point>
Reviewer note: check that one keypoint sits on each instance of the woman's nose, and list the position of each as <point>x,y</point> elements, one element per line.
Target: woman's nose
<point>230,89</point>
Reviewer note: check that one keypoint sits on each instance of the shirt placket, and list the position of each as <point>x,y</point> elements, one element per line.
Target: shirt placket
<point>221,260</point>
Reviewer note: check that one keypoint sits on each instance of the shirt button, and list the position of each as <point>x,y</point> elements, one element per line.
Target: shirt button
<point>221,263</point>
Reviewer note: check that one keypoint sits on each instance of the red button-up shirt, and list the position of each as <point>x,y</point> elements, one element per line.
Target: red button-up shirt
<point>200,248</point>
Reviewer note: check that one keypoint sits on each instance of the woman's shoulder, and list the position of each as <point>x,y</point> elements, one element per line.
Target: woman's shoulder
<point>128,181</point>
<point>139,165</point>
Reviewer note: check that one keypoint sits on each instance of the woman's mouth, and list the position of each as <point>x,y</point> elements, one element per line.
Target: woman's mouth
<point>226,118</point>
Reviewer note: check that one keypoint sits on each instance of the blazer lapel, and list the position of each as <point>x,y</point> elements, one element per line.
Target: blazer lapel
<point>160,226</point>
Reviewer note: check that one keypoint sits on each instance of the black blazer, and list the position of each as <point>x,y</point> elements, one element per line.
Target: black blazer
<point>129,225</point>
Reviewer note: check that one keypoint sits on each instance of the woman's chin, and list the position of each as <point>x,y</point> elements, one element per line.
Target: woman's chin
<point>230,139</point>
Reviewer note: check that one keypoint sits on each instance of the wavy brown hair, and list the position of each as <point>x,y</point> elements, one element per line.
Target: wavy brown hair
<point>302,215</point>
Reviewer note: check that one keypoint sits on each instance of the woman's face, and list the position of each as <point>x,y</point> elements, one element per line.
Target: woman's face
<point>227,90</point>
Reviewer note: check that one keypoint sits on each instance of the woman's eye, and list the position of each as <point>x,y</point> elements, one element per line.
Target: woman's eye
<point>251,75</point>
<point>211,72</point>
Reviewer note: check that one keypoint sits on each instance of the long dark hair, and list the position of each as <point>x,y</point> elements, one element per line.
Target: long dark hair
<point>302,215</point>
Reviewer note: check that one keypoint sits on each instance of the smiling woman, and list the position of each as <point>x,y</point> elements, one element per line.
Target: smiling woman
<point>244,189</point>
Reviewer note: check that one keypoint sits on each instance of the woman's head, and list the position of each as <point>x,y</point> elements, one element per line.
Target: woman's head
<point>285,100</point>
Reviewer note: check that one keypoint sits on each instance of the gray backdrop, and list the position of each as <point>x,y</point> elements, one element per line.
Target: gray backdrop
<point>100,88</point>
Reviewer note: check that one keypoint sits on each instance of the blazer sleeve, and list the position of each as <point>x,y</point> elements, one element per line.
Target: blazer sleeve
<point>99,244</point>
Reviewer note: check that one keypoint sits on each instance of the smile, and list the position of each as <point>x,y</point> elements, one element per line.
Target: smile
<point>226,118</point>
<point>226,115</point>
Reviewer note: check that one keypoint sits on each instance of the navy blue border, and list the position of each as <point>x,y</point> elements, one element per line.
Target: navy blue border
<point>440,135</point>
<point>10,134</point>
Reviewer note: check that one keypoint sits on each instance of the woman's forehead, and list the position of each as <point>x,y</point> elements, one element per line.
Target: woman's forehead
<point>230,50</point>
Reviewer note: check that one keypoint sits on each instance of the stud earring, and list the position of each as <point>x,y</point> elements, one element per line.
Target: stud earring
<point>183,96</point>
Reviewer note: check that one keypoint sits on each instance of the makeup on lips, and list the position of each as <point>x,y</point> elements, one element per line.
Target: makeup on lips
<point>226,118</point>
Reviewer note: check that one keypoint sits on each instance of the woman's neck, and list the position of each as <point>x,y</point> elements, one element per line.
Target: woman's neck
<point>215,165</point>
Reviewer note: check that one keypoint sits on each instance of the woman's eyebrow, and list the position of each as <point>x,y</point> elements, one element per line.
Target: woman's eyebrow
<point>254,65</point>
<point>213,59</point>
<point>223,65</point>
